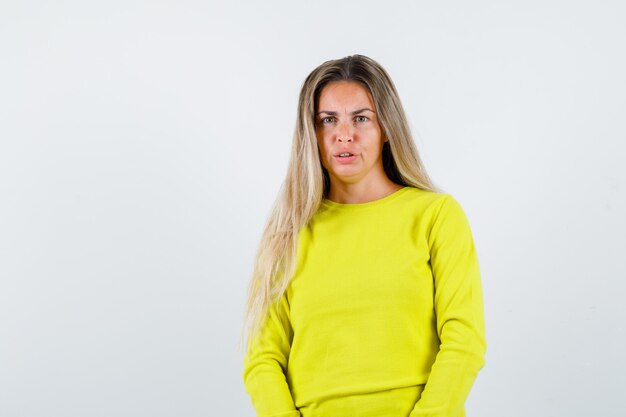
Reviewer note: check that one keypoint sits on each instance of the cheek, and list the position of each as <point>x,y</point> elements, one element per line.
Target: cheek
<point>324,152</point>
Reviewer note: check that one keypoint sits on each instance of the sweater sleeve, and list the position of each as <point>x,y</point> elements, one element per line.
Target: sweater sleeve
<point>265,365</point>
<point>458,305</point>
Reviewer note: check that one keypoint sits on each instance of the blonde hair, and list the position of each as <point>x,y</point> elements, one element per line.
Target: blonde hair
<point>307,181</point>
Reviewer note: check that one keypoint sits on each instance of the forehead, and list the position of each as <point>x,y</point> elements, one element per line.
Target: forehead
<point>344,95</point>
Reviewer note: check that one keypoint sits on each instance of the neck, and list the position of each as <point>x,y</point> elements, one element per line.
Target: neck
<point>361,192</point>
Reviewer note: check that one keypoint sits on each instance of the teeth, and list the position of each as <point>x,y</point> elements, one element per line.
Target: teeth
<point>345,154</point>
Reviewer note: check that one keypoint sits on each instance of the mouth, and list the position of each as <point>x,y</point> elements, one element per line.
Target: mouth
<point>345,157</point>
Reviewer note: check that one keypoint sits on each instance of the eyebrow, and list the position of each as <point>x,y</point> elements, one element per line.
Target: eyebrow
<point>334,113</point>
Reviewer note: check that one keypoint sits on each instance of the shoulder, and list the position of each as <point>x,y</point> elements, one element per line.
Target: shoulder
<point>436,207</point>
<point>429,201</point>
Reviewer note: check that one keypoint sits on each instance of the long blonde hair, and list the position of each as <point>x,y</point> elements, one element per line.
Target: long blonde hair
<point>307,181</point>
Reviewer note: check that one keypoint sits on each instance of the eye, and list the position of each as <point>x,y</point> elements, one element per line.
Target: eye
<point>327,119</point>
<point>361,118</point>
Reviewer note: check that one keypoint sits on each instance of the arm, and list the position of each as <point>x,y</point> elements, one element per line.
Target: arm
<point>459,310</point>
<point>265,365</point>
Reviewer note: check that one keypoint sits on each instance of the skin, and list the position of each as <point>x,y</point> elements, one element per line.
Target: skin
<point>346,121</point>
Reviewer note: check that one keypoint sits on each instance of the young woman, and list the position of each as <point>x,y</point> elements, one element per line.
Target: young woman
<point>365,298</point>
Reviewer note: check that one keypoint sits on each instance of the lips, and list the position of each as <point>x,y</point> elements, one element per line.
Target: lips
<point>345,159</point>
<point>342,152</point>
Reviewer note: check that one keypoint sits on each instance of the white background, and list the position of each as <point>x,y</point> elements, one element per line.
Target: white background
<point>143,142</point>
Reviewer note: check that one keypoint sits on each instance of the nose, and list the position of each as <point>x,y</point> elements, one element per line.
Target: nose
<point>345,133</point>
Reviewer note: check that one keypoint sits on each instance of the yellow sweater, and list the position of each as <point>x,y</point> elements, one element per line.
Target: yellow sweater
<point>383,316</point>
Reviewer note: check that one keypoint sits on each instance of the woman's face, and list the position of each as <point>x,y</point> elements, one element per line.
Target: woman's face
<point>346,122</point>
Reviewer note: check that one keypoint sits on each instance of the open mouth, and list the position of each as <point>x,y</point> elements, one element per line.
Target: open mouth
<point>345,157</point>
